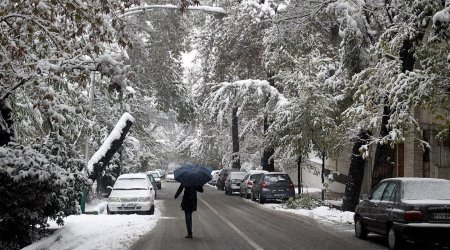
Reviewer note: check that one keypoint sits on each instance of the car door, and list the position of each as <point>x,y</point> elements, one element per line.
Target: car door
<point>386,205</point>
<point>256,183</point>
<point>371,207</point>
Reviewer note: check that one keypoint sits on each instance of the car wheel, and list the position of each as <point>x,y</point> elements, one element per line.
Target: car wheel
<point>360,230</point>
<point>261,200</point>
<point>394,241</point>
<point>247,196</point>
<point>152,210</point>
<point>108,211</point>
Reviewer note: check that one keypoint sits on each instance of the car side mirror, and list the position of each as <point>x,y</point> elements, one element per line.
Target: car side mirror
<point>365,197</point>
<point>109,187</point>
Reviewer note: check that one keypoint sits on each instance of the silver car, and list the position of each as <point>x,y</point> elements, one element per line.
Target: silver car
<point>157,177</point>
<point>233,182</point>
<point>247,183</point>
<point>132,193</point>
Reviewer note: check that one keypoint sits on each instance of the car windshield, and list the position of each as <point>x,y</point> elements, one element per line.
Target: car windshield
<point>156,175</point>
<point>150,177</point>
<point>426,190</point>
<point>131,184</point>
<point>274,178</point>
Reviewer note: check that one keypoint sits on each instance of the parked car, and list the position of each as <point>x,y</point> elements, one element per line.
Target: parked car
<point>406,209</point>
<point>233,182</point>
<point>246,186</point>
<point>170,176</point>
<point>272,186</point>
<point>157,177</point>
<point>223,176</point>
<point>154,184</point>
<point>161,172</point>
<point>215,176</point>
<point>132,193</point>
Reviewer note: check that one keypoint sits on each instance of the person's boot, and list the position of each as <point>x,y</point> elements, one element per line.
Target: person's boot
<point>188,236</point>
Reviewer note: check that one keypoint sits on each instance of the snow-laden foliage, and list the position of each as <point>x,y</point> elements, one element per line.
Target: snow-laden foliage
<point>306,201</point>
<point>409,71</point>
<point>156,60</point>
<point>238,42</point>
<point>302,69</point>
<point>58,41</point>
<point>38,182</point>
<point>242,95</point>
<point>48,50</point>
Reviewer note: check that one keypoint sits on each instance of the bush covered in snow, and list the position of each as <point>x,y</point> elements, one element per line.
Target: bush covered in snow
<point>38,182</point>
<point>305,201</point>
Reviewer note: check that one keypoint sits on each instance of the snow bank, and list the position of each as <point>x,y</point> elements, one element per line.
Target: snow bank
<point>324,214</point>
<point>97,232</point>
<point>85,232</point>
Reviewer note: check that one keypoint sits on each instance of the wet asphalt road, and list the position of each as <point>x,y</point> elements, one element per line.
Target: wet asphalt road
<point>231,222</point>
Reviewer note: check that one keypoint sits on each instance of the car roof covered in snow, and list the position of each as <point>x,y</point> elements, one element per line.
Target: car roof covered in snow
<point>133,176</point>
<point>420,179</point>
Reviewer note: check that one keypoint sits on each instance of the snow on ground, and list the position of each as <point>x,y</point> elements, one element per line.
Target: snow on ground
<point>323,213</point>
<point>101,231</point>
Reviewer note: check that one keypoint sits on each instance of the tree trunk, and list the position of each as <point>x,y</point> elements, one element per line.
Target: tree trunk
<point>267,162</point>
<point>323,174</point>
<point>299,174</point>
<point>6,123</point>
<point>384,155</point>
<point>355,174</point>
<point>235,159</point>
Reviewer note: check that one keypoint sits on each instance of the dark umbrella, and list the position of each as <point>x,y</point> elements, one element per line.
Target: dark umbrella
<point>192,175</point>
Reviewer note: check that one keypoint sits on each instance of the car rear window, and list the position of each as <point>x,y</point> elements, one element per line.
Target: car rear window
<point>237,175</point>
<point>130,184</point>
<point>277,178</point>
<point>426,190</point>
<point>254,176</point>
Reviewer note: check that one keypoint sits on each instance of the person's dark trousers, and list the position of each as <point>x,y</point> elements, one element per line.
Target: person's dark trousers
<point>188,217</point>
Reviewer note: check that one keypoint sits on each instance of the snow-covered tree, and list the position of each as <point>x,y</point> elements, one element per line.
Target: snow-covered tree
<point>48,51</point>
<point>234,99</point>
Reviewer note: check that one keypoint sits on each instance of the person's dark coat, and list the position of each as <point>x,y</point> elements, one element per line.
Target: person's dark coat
<point>189,202</point>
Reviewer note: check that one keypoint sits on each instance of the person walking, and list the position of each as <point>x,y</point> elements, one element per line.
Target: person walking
<point>188,204</point>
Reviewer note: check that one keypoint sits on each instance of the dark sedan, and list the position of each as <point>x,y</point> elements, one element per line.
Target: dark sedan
<point>406,209</point>
<point>272,186</point>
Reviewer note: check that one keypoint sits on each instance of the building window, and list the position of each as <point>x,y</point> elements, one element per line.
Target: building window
<point>441,153</point>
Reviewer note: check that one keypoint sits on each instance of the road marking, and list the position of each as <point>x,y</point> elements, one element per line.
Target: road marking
<point>230,224</point>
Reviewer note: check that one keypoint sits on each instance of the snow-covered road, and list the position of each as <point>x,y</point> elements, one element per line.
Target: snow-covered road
<point>86,232</point>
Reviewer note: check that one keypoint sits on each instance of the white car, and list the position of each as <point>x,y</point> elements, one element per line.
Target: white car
<point>132,193</point>
<point>170,176</point>
<point>214,177</point>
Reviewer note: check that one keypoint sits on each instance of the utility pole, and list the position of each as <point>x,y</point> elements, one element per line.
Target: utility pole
<point>91,111</point>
